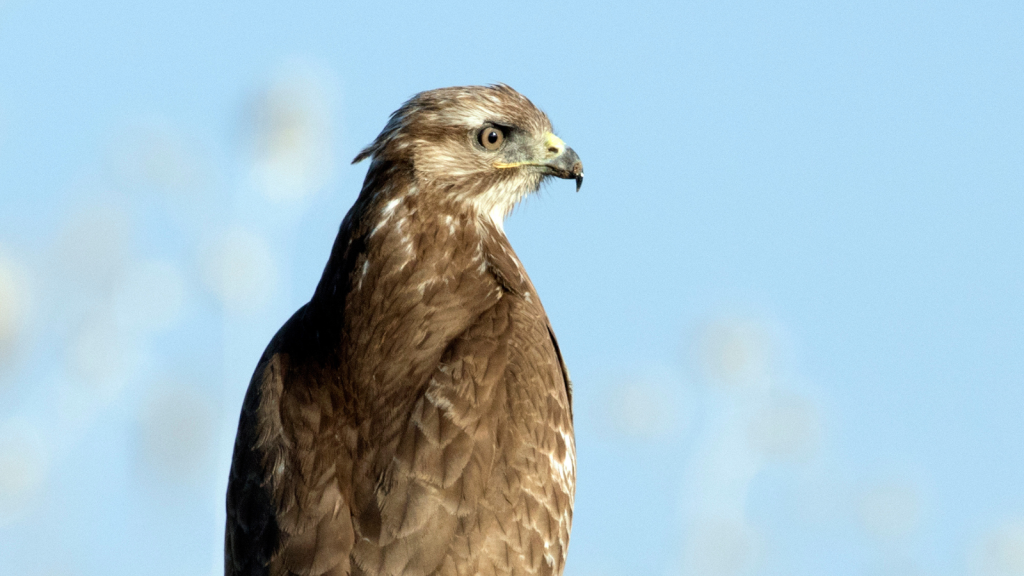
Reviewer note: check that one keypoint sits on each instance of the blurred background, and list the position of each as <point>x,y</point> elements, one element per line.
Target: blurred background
<point>791,292</point>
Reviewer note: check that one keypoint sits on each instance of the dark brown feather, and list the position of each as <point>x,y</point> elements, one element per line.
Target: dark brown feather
<point>414,417</point>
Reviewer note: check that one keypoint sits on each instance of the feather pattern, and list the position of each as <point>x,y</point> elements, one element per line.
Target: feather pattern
<point>414,418</point>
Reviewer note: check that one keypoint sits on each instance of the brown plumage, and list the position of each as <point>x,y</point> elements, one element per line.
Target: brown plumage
<point>414,418</point>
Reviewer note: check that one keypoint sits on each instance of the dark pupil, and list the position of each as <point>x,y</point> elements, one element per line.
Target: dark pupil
<point>492,136</point>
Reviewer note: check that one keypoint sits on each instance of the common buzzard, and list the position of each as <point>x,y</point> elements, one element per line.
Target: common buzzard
<point>414,417</point>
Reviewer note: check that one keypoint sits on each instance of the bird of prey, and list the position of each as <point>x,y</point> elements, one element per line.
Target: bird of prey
<point>414,417</point>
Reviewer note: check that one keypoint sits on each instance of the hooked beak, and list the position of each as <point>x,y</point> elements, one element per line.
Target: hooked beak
<point>565,163</point>
<point>559,160</point>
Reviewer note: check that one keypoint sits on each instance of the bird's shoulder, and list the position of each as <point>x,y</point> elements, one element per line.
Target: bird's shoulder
<point>288,494</point>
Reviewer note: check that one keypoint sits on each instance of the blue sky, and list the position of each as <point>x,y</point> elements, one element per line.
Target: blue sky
<point>789,293</point>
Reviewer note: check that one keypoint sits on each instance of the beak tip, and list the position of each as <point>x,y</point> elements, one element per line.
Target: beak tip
<point>567,165</point>
<point>577,171</point>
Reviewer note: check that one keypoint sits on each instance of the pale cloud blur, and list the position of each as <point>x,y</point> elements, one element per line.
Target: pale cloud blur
<point>722,547</point>
<point>736,355</point>
<point>786,426</point>
<point>239,268</point>
<point>15,306</point>
<point>641,410</point>
<point>652,404</point>
<point>1000,552</point>
<point>824,498</point>
<point>891,510</point>
<point>92,248</point>
<point>99,354</point>
<point>754,416</point>
<point>23,468</point>
<point>151,296</point>
<point>176,427</point>
<point>153,155</point>
<point>736,352</point>
<point>291,139</point>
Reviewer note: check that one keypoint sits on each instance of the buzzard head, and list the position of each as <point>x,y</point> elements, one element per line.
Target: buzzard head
<point>488,146</point>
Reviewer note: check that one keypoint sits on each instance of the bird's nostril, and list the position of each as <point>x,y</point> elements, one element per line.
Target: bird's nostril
<point>554,150</point>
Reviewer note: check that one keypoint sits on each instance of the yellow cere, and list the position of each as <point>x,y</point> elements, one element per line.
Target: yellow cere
<point>552,141</point>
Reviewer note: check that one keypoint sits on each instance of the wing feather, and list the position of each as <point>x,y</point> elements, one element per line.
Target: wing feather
<point>405,428</point>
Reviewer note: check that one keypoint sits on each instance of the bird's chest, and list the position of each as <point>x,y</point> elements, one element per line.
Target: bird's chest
<point>518,485</point>
<point>501,385</point>
<point>537,429</point>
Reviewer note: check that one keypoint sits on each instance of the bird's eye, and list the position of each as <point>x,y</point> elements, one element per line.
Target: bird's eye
<point>491,137</point>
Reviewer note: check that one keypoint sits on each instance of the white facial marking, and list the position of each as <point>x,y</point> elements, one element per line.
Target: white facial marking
<point>497,202</point>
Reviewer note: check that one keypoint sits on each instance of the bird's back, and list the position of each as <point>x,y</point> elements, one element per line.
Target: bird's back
<point>350,460</point>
